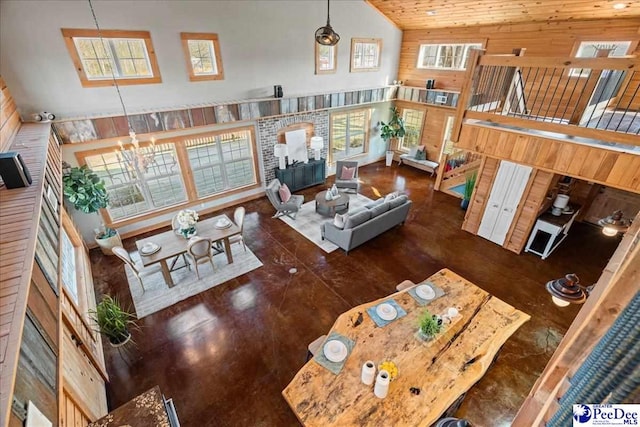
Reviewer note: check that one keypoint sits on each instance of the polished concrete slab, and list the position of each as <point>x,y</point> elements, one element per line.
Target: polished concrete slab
<point>226,354</point>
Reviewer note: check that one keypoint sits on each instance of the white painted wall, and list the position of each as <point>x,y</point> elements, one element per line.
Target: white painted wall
<point>262,43</point>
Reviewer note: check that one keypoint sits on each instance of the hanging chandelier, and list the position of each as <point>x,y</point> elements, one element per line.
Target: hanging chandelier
<point>325,35</point>
<point>136,158</point>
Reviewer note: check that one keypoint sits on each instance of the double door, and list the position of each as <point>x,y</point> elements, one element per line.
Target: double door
<point>506,193</point>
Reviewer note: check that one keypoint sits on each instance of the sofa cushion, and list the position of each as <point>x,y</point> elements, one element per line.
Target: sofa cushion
<point>374,203</point>
<point>380,209</point>
<point>421,154</point>
<point>357,218</point>
<point>340,219</point>
<point>398,201</point>
<point>284,193</point>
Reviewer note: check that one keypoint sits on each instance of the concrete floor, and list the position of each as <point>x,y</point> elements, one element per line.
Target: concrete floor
<point>226,354</point>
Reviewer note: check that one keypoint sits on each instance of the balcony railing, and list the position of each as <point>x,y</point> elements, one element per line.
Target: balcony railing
<point>595,98</point>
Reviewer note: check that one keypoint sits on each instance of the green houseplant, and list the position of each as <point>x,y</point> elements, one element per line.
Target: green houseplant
<point>390,132</point>
<point>113,321</point>
<point>429,325</point>
<point>469,183</point>
<point>84,189</point>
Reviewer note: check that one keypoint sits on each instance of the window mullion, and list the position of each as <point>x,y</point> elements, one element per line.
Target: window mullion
<point>115,61</point>
<point>223,170</point>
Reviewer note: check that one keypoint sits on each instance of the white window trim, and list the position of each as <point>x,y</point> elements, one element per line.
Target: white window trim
<point>356,41</point>
<point>580,72</point>
<point>365,148</point>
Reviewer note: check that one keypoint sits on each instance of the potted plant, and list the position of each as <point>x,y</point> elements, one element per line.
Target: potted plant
<point>87,193</point>
<point>429,326</point>
<point>390,132</point>
<point>113,321</point>
<point>469,183</point>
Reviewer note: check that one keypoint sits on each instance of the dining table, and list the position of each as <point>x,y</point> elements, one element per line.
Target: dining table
<point>432,374</point>
<point>173,244</point>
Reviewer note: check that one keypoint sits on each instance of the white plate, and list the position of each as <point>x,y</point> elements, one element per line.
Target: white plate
<point>425,292</point>
<point>223,223</point>
<point>386,311</point>
<point>335,350</point>
<point>149,249</point>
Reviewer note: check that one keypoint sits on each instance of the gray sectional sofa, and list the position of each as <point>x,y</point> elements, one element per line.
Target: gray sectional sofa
<point>376,218</point>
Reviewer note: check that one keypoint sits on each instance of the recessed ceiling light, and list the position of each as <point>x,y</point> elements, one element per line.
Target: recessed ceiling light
<point>431,12</point>
<point>619,6</point>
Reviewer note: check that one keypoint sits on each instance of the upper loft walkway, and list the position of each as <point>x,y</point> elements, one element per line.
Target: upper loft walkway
<point>573,116</point>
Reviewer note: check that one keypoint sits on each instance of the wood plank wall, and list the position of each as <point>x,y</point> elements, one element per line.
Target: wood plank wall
<point>9,117</point>
<point>612,168</point>
<point>480,196</point>
<point>19,216</point>
<point>557,38</point>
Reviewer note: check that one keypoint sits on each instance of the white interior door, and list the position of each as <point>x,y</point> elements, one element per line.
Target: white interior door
<point>506,193</point>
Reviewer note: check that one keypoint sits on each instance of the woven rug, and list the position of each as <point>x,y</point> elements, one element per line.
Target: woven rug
<point>158,296</point>
<point>308,222</point>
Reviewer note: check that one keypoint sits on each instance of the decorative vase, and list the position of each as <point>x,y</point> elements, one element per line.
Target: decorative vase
<point>107,243</point>
<point>422,336</point>
<point>464,204</point>
<point>389,159</point>
<point>121,342</point>
<point>188,233</point>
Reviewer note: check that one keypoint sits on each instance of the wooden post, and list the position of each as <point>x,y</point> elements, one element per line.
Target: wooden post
<point>468,85</point>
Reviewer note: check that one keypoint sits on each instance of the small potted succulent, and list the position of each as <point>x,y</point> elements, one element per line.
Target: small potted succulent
<point>391,132</point>
<point>113,321</point>
<point>84,189</point>
<point>429,326</point>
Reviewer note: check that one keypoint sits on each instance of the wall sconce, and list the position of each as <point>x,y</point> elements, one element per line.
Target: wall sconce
<point>316,145</point>
<point>281,151</point>
<point>614,224</point>
<point>568,290</point>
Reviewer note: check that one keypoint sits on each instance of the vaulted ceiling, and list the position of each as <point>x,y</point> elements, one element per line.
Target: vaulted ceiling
<point>425,14</point>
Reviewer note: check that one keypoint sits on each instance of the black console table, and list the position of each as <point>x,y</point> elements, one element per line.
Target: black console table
<point>303,175</point>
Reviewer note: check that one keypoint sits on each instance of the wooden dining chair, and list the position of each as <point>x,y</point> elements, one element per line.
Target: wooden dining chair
<point>199,250</point>
<point>138,270</point>
<point>238,218</point>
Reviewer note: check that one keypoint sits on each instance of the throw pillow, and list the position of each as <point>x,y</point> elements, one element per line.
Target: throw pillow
<point>340,219</point>
<point>285,193</point>
<point>421,155</point>
<point>347,173</point>
<point>391,196</point>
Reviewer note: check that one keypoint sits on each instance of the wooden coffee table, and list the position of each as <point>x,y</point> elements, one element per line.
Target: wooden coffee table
<point>329,208</point>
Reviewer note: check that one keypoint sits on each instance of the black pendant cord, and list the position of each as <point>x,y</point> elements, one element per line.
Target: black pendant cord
<point>328,14</point>
<point>113,76</point>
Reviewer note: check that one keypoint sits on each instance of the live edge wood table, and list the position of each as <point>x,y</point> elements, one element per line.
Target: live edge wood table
<point>443,369</point>
<point>173,245</point>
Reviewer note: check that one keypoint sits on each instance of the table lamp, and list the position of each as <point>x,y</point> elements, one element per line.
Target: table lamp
<point>281,151</point>
<point>316,145</point>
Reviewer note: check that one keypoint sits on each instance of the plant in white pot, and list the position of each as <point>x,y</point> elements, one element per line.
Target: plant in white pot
<point>87,193</point>
<point>390,132</point>
<point>113,321</point>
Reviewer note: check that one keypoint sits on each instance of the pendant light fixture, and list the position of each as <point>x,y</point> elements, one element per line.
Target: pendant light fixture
<point>614,224</point>
<point>325,35</point>
<point>568,290</point>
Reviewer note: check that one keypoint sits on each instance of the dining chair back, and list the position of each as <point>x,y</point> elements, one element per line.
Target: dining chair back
<point>238,218</point>
<point>122,253</point>
<point>199,250</point>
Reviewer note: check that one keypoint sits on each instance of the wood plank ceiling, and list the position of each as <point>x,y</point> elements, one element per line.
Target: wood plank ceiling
<point>425,14</point>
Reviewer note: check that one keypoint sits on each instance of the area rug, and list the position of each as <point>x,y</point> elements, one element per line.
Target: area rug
<point>308,222</point>
<point>158,296</point>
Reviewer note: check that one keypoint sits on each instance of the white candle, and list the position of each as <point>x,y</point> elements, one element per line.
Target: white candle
<point>382,384</point>
<point>368,372</point>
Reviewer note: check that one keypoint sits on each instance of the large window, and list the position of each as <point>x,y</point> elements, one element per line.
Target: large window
<point>221,162</point>
<point>68,273</point>
<point>125,55</point>
<point>589,49</point>
<point>445,56</point>
<point>326,58</point>
<point>202,52</point>
<point>173,172</point>
<point>365,54</point>
<point>349,134</point>
<point>413,120</point>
